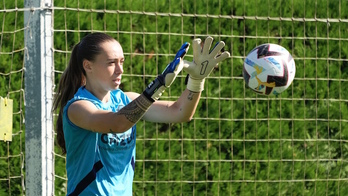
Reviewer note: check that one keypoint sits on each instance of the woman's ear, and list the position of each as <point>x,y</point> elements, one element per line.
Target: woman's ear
<point>86,65</point>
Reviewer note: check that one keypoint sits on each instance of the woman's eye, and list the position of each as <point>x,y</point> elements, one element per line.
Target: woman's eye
<point>116,62</point>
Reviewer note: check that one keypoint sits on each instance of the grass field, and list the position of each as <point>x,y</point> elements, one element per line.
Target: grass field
<point>239,143</point>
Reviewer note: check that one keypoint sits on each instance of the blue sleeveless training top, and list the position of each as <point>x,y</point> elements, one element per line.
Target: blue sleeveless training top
<point>96,163</point>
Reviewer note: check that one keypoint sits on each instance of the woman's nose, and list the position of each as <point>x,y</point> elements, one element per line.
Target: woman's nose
<point>119,68</point>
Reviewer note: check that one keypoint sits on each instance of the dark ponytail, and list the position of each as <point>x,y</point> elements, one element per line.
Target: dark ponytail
<point>70,82</point>
<point>74,77</point>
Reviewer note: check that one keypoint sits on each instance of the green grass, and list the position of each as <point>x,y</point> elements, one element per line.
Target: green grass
<point>239,143</point>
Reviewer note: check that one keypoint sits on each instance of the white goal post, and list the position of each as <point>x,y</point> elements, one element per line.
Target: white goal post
<point>39,142</point>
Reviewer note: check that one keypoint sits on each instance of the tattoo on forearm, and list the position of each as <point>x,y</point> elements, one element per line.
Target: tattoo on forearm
<point>143,102</point>
<point>190,96</point>
<point>136,109</point>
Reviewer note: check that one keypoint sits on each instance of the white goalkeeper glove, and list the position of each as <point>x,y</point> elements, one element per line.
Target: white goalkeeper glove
<point>155,89</point>
<point>204,61</point>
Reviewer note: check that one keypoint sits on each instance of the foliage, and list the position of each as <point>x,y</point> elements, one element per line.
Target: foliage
<point>11,86</point>
<point>238,143</point>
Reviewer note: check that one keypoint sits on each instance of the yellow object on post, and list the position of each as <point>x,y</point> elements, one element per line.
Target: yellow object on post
<point>6,112</point>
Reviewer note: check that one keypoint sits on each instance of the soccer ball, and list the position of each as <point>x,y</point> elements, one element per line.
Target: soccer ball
<point>269,69</point>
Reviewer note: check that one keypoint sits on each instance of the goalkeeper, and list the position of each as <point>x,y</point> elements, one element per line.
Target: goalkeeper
<point>96,121</point>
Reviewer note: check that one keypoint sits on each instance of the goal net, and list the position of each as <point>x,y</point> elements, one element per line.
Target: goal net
<point>238,143</point>
<point>12,53</point>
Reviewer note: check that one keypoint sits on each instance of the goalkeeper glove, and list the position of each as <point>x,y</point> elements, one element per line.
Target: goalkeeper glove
<point>155,89</point>
<point>204,61</point>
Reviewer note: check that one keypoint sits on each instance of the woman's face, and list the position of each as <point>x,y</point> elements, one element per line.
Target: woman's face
<point>107,68</point>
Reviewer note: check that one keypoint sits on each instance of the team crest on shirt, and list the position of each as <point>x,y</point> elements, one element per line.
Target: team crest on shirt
<point>118,139</point>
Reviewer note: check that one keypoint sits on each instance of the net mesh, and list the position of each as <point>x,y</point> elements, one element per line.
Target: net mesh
<point>12,86</point>
<point>238,143</point>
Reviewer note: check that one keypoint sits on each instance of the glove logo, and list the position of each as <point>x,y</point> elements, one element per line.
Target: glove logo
<point>204,67</point>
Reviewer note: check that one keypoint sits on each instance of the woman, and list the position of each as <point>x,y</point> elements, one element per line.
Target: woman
<point>96,122</point>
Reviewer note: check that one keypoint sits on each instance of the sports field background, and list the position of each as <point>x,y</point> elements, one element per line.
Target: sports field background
<point>239,143</point>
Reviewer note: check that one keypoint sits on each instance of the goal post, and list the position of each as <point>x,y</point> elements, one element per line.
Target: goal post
<point>38,98</point>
